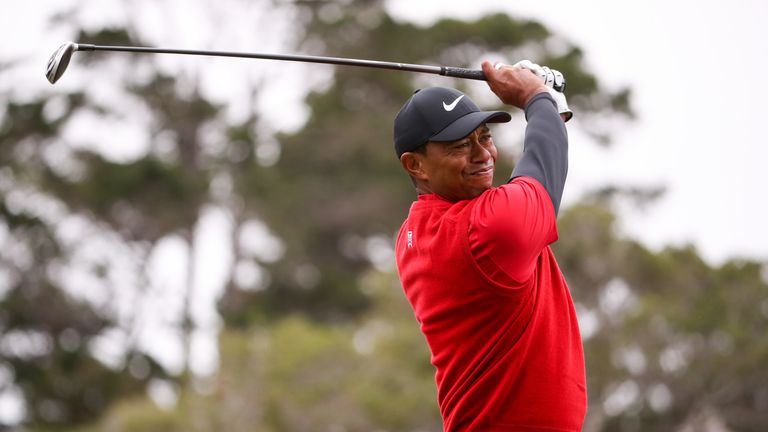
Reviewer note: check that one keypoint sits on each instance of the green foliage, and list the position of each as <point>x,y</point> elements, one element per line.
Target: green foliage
<point>373,375</point>
<point>133,415</point>
<point>682,338</point>
<point>147,198</point>
<point>47,335</point>
<point>44,331</point>
<point>298,375</point>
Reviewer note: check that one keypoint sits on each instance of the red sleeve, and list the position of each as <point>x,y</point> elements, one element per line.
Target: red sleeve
<point>510,227</point>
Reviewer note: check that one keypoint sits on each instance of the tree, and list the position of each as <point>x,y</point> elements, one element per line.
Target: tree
<point>47,331</point>
<point>669,339</point>
<point>127,207</point>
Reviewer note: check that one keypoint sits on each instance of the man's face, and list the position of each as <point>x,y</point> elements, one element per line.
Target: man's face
<point>459,170</point>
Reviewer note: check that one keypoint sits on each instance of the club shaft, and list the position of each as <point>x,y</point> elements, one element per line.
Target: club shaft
<point>438,70</point>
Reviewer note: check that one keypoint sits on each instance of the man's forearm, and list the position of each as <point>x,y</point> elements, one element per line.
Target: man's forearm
<point>545,153</point>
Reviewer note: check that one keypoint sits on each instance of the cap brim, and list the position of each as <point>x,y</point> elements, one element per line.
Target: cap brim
<point>465,125</point>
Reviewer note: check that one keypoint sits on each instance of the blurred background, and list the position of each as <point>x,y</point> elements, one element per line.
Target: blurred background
<point>197,244</point>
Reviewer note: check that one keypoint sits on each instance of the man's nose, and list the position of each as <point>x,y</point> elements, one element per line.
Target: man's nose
<point>479,152</point>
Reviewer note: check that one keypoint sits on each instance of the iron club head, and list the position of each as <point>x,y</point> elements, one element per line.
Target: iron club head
<point>59,61</point>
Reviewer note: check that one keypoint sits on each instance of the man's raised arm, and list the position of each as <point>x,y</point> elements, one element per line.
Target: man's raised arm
<point>545,153</point>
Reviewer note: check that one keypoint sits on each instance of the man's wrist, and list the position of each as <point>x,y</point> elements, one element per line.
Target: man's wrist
<point>540,95</point>
<point>527,100</point>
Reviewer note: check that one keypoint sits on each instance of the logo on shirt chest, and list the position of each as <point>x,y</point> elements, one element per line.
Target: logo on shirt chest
<point>410,239</point>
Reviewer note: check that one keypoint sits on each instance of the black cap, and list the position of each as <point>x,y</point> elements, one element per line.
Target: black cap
<point>439,114</point>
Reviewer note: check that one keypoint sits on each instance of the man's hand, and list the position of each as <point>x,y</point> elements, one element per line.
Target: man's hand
<point>553,82</point>
<point>513,85</point>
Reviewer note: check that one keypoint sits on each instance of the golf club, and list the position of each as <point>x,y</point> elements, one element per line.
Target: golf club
<point>59,61</point>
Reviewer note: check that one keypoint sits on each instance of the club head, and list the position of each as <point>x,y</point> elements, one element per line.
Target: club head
<point>59,61</point>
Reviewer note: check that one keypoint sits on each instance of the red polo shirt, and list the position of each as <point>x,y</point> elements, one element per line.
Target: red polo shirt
<point>495,310</point>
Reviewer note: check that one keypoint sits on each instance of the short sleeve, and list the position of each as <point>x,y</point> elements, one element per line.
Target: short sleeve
<point>509,228</point>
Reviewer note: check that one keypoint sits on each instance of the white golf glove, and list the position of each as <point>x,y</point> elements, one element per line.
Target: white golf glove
<point>554,80</point>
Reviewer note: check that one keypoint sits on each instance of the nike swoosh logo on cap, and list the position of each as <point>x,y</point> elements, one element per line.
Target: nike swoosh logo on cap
<point>452,104</point>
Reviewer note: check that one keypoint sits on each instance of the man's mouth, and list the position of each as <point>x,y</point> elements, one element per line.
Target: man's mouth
<point>483,171</point>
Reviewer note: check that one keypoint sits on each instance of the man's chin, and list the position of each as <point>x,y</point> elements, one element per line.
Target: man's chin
<point>479,190</point>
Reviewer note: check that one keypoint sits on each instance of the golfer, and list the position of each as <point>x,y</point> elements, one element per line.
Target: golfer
<point>475,261</point>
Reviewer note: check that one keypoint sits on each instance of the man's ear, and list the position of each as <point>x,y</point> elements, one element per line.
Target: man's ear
<point>413,164</point>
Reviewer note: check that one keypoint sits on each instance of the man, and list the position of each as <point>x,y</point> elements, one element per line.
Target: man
<point>475,261</point>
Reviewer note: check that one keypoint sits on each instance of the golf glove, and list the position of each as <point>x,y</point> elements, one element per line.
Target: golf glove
<point>554,80</point>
